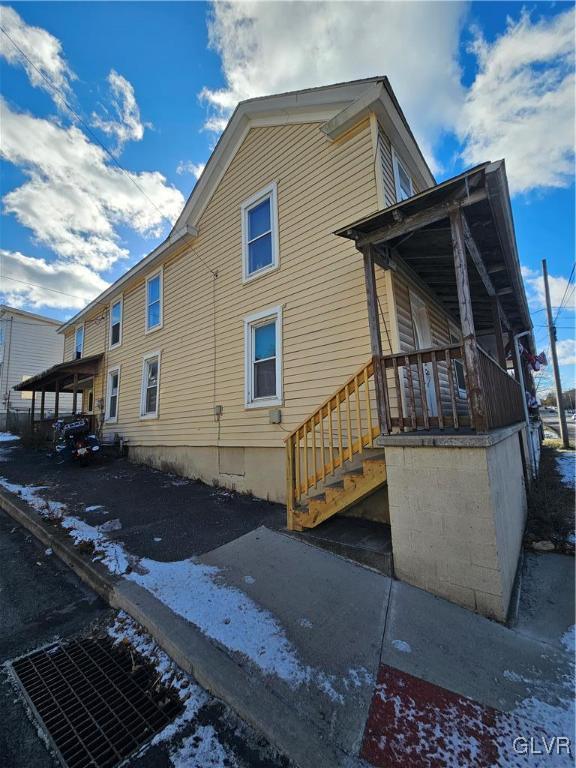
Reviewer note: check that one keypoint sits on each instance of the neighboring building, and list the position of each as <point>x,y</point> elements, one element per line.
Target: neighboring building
<point>268,341</point>
<point>29,343</point>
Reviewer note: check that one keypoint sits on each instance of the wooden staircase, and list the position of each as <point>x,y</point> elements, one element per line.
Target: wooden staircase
<point>330,457</point>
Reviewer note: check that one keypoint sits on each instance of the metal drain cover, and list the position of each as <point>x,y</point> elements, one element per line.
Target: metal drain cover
<point>98,702</point>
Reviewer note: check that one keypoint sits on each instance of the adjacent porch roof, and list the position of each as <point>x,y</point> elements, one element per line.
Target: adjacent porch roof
<point>416,234</point>
<point>59,376</point>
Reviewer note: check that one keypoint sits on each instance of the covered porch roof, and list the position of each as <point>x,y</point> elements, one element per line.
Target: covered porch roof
<point>61,376</point>
<point>416,236</point>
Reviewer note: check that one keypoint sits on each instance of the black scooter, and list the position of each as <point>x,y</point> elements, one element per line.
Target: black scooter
<point>74,441</point>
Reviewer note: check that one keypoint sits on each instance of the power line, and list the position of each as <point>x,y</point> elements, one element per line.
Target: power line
<point>84,123</point>
<point>44,288</point>
<point>565,292</point>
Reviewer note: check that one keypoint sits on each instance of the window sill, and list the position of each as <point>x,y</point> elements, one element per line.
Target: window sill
<point>155,328</point>
<point>270,403</point>
<point>260,273</point>
<point>115,346</point>
<point>148,416</point>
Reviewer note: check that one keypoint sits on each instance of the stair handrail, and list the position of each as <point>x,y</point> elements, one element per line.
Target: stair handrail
<point>298,483</point>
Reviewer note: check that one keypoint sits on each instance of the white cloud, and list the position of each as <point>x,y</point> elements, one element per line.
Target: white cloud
<point>187,166</point>
<point>566,350</point>
<point>127,125</point>
<point>75,199</point>
<point>49,69</point>
<point>521,104</point>
<point>35,282</point>
<point>560,292</point>
<point>274,47</point>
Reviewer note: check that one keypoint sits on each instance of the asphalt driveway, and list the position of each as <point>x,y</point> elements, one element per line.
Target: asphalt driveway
<point>161,516</point>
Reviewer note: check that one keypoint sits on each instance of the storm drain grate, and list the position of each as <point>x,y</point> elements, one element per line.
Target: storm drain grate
<point>98,701</point>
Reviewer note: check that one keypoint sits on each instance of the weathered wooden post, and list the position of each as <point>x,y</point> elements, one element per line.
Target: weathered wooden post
<point>32,404</point>
<point>471,354</point>
<point>500,353</point>
<point>42,403</point>
<point>375,336</point>
<point>56,398</point>
<point>75,394</point>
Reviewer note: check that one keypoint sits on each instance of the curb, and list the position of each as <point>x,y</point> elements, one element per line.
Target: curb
<point>215,670</point>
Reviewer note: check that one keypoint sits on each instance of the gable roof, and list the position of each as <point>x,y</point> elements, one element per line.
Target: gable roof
<point>338,108</point>
<point>6,310</point>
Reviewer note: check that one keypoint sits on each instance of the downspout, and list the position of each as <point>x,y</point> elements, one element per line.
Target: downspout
<point>520,369</point>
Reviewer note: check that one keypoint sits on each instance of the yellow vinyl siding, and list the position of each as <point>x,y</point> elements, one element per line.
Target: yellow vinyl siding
<point>320,284</point>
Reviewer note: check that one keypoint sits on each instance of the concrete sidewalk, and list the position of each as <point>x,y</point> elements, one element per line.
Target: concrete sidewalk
<point>336,664</point>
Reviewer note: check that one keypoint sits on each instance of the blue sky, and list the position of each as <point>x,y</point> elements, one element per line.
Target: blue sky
<point>156,82</point>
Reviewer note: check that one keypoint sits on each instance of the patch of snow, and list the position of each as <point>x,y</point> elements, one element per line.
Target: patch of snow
<point>568,639</point>
<point>6,436</point>
<point>96,508</point>
<point>48,551</point>
<point>202,750</point>
<point>306,623</point>
<point>402,646</point>
<point>110,553</point>
<point>157,538</point>
<point>110,525</point>
<point>249,579</point>
<point>566,465</point>
<point>30,494</point>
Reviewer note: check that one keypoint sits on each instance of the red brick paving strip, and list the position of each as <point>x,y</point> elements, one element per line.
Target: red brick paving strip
<point>415,724</point>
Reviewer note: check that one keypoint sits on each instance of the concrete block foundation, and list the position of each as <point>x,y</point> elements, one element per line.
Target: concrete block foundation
<point>457,514</point>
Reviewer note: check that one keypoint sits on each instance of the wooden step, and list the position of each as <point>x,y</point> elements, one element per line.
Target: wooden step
<point>338,496</point>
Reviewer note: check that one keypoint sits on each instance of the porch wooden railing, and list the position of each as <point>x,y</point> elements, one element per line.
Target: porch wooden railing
<point>420,391</point>
<point>343,426</point>
<point>502,394</point>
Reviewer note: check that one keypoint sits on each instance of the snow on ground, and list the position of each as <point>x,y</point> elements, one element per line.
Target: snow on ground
<point>31,495</point>
<point>97,508</point>
<point>6,436</point>
<point>566,465</point>
<point>568,639</point>
<point>108,552</point>
<point>202,750</point>
<point>402,645</point>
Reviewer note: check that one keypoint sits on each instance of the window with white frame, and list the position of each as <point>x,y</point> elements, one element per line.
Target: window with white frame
<point>112,393</point>
<point>79,342</point>
<point>263,358</point>
<point>402,179</point>
<point>116,310</point>
<point>150,384</point>
<point>154,301</point>
<point>459,377</point>
<point>260,233</point>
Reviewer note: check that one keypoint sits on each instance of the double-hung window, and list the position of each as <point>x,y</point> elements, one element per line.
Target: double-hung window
<point>112,392</point>
<point>78,342</point>
<point>154,301</point>
<point>402,179</point>
<point>260,233</point>
<point>150,384</point>
<point>116,310</point>
<point>263,358</point>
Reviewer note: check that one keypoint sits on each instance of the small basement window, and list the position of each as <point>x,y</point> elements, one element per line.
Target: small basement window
<point>116,324</point>
<point>260,233</point>
<point>150,383</point>
<point>402,179</point>
<point>263,358</point>
<point>113,389</point>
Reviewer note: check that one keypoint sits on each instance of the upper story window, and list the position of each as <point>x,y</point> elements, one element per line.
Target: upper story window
<point>260,233</point>
<point>116,323</point>
<point>263,358</point>
<point>154,301</point>
<point>402,179</point>
<point>79,342</point>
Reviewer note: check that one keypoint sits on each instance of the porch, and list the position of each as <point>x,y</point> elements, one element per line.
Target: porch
<point>75,377</point>
<point>434,429</point>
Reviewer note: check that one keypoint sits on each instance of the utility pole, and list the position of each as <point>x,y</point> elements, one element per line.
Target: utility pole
<point>558,383</point>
